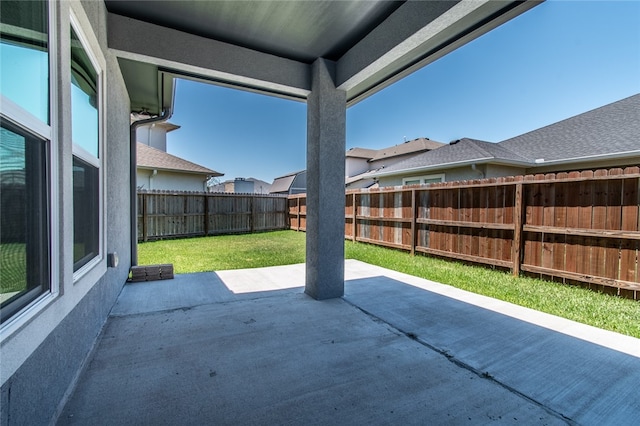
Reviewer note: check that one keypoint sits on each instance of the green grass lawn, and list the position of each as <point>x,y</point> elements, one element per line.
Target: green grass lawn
<point>288,247</point>
<point>13,267</point>
<point>225,251</point>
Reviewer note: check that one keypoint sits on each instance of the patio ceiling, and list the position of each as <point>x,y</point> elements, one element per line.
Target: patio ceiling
<point>268,46</point>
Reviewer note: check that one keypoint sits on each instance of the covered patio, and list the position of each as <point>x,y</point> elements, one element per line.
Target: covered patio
<point>249,347</point>
<point>326,342</point>
<point>327,54</point>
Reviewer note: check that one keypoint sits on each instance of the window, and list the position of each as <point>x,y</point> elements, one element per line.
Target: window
<point>25,134</point>
<point>85,116</point>
<point>420,180</point>
<point>24,56</point>
<point>24,233</point>
<point>86,206</point>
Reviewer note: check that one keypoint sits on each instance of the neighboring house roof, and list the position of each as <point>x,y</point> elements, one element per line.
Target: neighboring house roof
<point>464,151</point>
<point>266,186</point>
<point>415,145</point>
<point>283,183</point>
<point>376,158</point>
<point>249,179</point>
<point>409,147</point>
<point>366,179</point>
<point>361,153</point>
<point>611,131</point>
<point>151,158</point>
<point>604,132</point>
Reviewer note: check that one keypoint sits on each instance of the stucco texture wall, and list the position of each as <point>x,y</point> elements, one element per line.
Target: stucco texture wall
<point>169,181</point>
<point>42,359</point>
<point>458,173</point>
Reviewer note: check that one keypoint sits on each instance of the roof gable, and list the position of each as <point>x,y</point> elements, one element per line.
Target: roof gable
<point>151,158</point>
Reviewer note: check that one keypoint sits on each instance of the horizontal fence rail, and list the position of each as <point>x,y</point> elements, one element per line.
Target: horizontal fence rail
<point>164,214</point>
<point>577,226</point>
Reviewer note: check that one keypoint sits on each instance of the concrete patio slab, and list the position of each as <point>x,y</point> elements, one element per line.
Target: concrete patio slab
<point>248,347</point>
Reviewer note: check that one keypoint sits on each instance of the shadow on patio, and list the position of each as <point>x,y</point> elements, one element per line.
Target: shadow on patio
<point>248,347</point>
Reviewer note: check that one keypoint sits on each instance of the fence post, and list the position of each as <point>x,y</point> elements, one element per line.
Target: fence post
<point>354,222</point>
<point>144,217</point>
<point>285,212</point>
<point>414,218</point>
<point>517,230</point>
<point>185,219</point>
<point>251,213</point>
<point>206,214</point>
<point>298,213</point>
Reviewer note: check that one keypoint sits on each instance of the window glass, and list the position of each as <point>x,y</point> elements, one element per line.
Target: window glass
<point>24,240</point>
<point>24,57</point>
<point>84,98</point>
<point>86,148</point>
<point>433,180</point>
<point>85,213</point>
<point>418,180</point>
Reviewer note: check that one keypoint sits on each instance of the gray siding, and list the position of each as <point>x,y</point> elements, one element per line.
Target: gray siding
<point>459,173</point>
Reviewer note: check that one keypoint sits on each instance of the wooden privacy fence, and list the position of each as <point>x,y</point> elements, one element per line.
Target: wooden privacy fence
<point>186,214</point>
<point>577,226</point>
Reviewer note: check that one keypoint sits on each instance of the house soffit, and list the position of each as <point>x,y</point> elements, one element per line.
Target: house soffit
<point>267,45</point>
<point>298,30</point>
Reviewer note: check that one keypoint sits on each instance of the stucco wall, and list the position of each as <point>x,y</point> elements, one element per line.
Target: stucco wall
<point>178,182</point>
<point>496,170</point>
<point>142,178</point>
<point>243,186</point>
<point>459,173</point>
<point>41,359</point>
<point>169,181</point>
<point>153,135</point>
<point>355,166</point>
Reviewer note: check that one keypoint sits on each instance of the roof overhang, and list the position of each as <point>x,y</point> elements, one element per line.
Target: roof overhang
<point>150,88</point>
<point>589,158</point>
<point>269,46</point>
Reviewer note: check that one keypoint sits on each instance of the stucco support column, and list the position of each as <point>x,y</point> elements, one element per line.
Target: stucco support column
<point>326,133</point>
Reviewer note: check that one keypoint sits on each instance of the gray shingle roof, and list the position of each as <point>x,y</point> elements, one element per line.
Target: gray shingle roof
<point>369,174</point>
<point>464,151</point>
<point>613,128</point>
<point>415,145</point>
<point>361,153</point>
<point>151,158</point>
<point>283,183</point>
<point>610,130</point>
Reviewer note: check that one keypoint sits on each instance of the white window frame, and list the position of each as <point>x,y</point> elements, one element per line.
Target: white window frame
<point>96,267</point>
<point>30,123</point>
<point>422,179</point>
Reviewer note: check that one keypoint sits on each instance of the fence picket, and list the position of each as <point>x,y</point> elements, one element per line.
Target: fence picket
<point>579,226</point>
<point>181,214</point>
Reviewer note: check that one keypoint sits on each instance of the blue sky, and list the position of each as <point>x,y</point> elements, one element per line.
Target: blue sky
<point>560,59</point>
